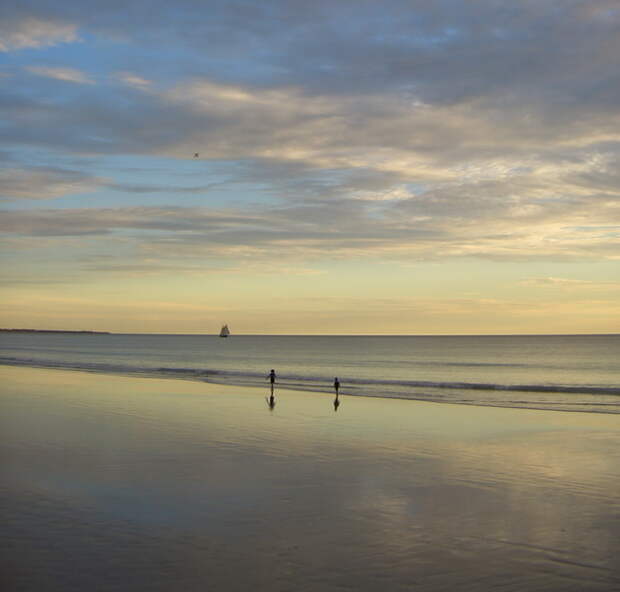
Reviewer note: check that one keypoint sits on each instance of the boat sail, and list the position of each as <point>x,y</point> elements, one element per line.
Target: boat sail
<point>224,332</point>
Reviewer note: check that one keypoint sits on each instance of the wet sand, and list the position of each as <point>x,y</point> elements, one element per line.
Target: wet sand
<point>115,483</point>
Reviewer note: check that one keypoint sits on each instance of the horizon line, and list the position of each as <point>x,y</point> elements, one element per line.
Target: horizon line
<point>215,334</point>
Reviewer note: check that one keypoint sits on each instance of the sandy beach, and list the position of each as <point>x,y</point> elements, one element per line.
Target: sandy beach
<point>115,483</point>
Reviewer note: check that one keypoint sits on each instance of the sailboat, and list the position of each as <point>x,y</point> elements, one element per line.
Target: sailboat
<point>225,331</point>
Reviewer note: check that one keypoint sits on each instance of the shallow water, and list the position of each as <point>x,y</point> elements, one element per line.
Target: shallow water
<point>113,483</point>
<point>569,373</point>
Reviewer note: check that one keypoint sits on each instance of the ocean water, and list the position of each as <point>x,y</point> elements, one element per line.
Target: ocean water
<point>556,372</point>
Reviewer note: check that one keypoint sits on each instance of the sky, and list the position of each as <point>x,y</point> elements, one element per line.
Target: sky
<point>394,167</point>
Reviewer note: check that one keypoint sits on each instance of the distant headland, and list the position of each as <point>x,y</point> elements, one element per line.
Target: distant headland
<point>53,331</point>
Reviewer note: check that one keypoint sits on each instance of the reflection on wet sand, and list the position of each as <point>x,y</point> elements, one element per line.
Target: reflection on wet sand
<point>271,401</point>
<point>163,485</point>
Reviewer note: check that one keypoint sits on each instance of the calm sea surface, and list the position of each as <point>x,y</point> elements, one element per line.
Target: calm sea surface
<point>568,372</point>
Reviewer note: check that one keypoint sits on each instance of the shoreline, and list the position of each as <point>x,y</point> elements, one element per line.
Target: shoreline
<point>114,482</point>
<point>605,407</point>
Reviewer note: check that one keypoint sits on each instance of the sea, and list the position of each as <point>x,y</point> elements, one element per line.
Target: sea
<point>553,372</point>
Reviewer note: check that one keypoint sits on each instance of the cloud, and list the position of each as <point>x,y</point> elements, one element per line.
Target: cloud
<point>427,227</point>
<point>34,32</point>
<point>197,189</point>
<point>570,284</point>
<point>442,51</point>
<point>559,54</point>
<point>384,133</point>
<point>133,80</point>
<point>44,183</point>
<point>73,222</point>
<point>64,74</point>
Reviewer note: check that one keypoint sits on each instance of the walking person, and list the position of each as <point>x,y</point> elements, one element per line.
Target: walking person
<point>271,401</point>
<point>336,388</point>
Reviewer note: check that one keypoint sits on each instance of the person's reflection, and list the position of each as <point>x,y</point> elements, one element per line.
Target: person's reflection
<point>271,401</point>
<point>336,403</point>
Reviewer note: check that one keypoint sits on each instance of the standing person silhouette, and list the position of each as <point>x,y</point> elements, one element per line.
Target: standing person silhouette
<point>272,378</point>
<point>336,388</point>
